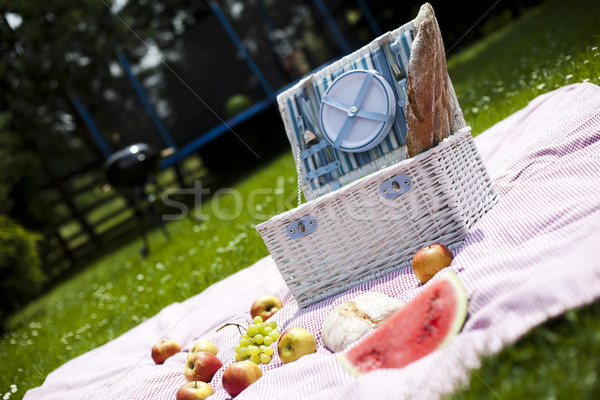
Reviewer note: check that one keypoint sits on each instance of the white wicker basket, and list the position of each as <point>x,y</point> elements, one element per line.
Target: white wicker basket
<point>375,224</point>
<point>325,167</point>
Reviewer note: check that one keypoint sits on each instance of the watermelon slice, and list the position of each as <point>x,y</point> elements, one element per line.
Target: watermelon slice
<point>427,323</point>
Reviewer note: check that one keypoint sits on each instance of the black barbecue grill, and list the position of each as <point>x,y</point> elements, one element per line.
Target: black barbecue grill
<point>132,166</point>
<point>130,170</point>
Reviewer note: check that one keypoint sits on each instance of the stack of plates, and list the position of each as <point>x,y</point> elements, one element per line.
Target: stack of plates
<point>357,110</point>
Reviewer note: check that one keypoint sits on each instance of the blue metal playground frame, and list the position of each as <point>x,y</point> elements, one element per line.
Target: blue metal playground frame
<point>182,152</point>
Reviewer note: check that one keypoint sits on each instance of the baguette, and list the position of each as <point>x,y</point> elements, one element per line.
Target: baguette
<point>429,95</point>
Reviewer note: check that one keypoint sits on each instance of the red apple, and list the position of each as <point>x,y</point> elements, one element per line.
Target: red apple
<point>295,343</point>
<point>195,390</point>
<point>238,376</point>
<point>202,366</point>
<point>265,306</point>
<point>429,260</point>
<point>165,349</point>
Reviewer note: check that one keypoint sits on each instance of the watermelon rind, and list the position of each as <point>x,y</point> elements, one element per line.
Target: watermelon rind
<point>461,307</point>
<point>457,322</point>
<point>348,366</point>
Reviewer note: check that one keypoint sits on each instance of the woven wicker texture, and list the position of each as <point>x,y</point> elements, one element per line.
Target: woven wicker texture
<point>361,235</point>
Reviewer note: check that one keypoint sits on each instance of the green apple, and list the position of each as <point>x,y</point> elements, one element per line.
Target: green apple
<point>238,376</point>
<point>203,345</point>
<point>265,307</point>
<point>295,343</point>
<point>194,391</point>
<point>164,349</point>
<point>202,366</point>
<point>429,260</point>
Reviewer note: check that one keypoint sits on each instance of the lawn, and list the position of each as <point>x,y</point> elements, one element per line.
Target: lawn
<point>550,46</point>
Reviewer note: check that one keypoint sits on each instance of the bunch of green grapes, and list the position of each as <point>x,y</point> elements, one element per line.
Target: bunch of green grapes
<point>254,344</point>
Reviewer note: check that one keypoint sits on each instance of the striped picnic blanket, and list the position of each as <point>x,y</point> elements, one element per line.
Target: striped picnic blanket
<point>527,260</point>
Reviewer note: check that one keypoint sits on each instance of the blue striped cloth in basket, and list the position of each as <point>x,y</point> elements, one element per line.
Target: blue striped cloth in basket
<point>322,166</point>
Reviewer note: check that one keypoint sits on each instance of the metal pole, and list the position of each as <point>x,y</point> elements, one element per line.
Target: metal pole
<point>241,48</point>
<point>330,21</point>
<point>270,28</point>
<point>162,129</point>
<point>371,21</point>
<point>89,122</point>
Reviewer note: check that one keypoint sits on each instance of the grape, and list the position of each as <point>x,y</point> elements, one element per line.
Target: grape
<point>255,359</point>
<point>252,330</point>
<point>260,326</point>
<point>274,334</point>
<point>254,344</point>
<point>258,338</point>
<point>268,340</point>
<point>265,359</point>
<point>253,350</point>
<point>268,351</point>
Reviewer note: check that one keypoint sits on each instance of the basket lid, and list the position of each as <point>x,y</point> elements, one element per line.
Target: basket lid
<point>357,110</point>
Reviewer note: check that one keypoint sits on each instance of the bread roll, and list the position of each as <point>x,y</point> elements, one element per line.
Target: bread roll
<point>351,320</point>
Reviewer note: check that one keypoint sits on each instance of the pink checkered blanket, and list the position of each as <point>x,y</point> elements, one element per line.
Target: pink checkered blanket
<point>529,259</point>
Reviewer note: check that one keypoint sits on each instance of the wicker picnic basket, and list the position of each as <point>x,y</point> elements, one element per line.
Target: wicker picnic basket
<point>370,207</point>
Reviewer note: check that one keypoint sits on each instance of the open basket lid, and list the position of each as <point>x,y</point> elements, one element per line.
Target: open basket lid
<point>357,110</point>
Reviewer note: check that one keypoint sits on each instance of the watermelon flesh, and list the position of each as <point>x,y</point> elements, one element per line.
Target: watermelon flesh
<point>427,323</point>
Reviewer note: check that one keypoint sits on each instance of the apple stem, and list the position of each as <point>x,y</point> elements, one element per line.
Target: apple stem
<point>240,327</point>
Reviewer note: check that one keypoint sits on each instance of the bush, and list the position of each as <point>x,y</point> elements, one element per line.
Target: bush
<point>21,275</point>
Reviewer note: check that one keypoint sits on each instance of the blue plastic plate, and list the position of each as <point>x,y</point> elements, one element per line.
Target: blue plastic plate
<point>357,110</point>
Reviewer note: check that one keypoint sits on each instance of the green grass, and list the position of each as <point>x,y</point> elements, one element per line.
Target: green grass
<point>553,45</point>
<point>122,289</point>
<point>558,360</point>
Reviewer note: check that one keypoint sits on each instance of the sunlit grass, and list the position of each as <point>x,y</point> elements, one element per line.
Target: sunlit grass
<point>555,45</point>
<point>558,360</point>
<point>123,289</point>
<point>552,46</point>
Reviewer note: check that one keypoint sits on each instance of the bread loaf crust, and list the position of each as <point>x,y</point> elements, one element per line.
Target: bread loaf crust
<point>428,107</point>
